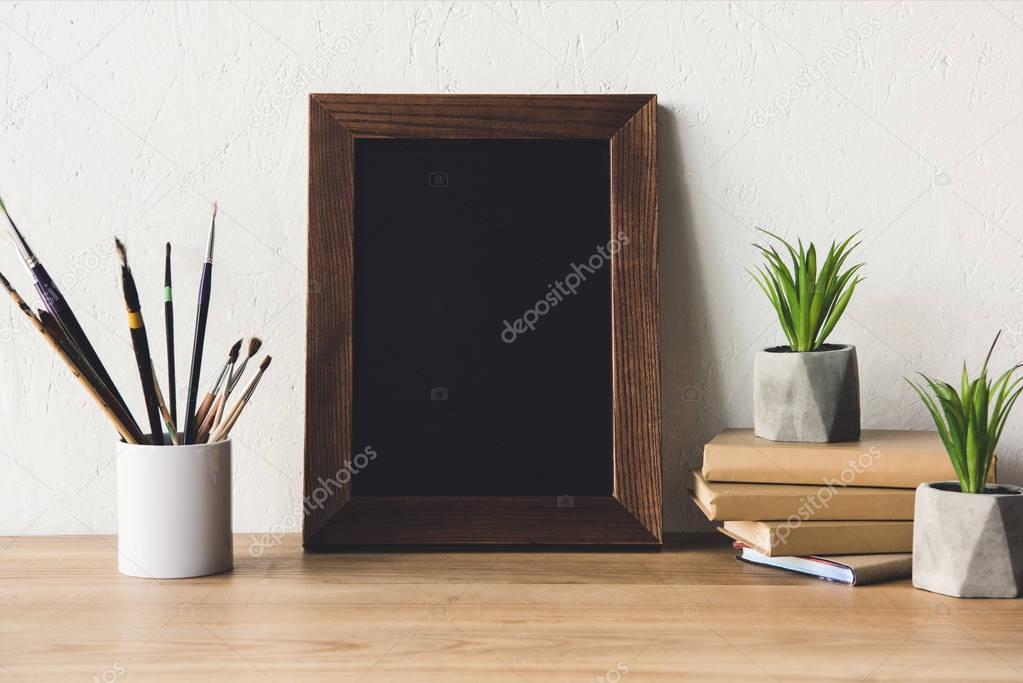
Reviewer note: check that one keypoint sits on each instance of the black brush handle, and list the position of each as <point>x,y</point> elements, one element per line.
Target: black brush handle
<point>58,307</point>
<point>191,428</point>
<point>168,316</point>
<point>168,319</point>
<point>140,342</point>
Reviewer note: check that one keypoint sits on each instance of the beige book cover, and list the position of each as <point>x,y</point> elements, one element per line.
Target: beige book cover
<point>721,501</point>
<point>881,457</point>
<point>822,538</point>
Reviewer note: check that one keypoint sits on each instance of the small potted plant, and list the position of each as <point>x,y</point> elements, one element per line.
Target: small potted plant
<point>968,534</point>
<point>808,390</point>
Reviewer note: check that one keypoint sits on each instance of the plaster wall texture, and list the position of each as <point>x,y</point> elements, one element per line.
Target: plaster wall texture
<point>813,119</point>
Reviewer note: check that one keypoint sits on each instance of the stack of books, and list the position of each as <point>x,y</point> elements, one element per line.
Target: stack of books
<point>840,511</point>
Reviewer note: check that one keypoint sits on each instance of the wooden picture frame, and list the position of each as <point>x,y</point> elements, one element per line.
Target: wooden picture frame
<point>334,517</point>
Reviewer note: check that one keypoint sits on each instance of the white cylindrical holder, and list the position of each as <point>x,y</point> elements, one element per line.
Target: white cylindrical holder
<point>174,510</point>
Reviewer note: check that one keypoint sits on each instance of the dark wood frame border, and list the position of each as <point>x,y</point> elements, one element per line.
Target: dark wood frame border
<point>632,515</point>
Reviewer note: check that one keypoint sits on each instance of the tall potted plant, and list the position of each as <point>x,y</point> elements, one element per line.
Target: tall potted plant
<point>807,390</point>
<point>968,534</point>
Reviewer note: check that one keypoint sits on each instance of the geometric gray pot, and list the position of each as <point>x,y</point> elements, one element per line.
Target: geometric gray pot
<point>811,397</point>
<point>968,545</point>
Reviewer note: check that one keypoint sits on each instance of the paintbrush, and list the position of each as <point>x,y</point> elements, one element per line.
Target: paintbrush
<point>225,429</point>
<point>215,411</point>
<point>225,372</point>
<point>140,342</point>
<point>168,321</point>
<point>219,410</point>
<point>59,308</point>
<point>134,432</point>
<point>254,345</point>
<point>168,419</point>
<point>57,332</point>
<point>127,431</point>
<point>211,419</point>
<point>201,315</point>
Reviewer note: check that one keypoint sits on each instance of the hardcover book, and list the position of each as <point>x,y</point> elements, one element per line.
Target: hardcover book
<point>850,570</point>
<point>822,538</point>
<point>721,501</point>
<point>881,458</point>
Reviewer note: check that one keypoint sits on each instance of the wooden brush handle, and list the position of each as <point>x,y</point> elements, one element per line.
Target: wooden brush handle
<point>219,410</point>
<point>54,337</point>
<point>207,423</point>
<point>224,429</point>
<point>204,408</point>
<point>228,424</point>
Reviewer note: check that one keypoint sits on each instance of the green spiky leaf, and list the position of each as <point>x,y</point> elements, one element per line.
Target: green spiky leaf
<point>970,421</point>
<point>808,297</point>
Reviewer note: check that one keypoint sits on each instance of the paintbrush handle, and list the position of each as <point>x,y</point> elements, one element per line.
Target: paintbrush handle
<point>54,337</point>
<point>229,421</point>
<point>236,375</point>
<point>168,317</point>
<point>221,406</point>
<point>168,419</point>
<point>145,364</point>
<point>204,408</point>
<point>58,307</point>
<point>207,424</point>
<point>205,285</point>
<point>236,411</point>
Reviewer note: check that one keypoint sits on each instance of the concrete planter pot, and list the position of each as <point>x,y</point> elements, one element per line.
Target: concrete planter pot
<point>812,397</point>
<point>968,545</point>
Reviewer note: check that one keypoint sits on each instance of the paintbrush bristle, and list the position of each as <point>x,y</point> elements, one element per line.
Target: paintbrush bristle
<point>265,364</point>
<point>168,250</point>
<point>19,240</point>
<point>232,355</point>
<point>213,230</point>
<point>121,251</point>
<point>6,283</point>
<point>254,345</point>
<point>2,206</point>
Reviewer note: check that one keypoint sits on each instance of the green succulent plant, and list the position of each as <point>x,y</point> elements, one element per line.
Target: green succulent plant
<point>809,301</point>
<point>971,420</point>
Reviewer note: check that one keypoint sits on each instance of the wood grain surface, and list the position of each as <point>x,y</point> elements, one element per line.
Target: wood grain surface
<point>632,515</point>
<point>482,116</point>
<point>636,317</point>
<point>329,313</point>
<point>687,613</point>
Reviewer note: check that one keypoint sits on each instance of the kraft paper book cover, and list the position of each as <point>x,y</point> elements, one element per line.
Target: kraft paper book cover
<point>882,458</point>
<point>721,501</point>
<point>822,538</point>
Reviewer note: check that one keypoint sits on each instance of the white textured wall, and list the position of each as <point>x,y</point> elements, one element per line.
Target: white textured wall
<point>129,118</point>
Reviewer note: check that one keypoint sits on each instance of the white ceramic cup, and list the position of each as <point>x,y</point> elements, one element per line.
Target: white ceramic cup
<point>174,510</point>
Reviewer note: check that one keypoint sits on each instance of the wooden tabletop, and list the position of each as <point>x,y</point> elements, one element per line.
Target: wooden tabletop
<point>687,613</point>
